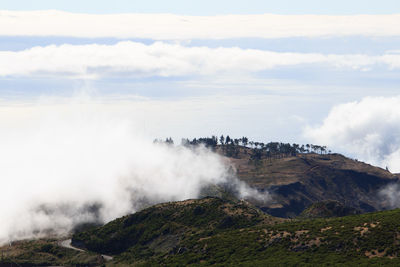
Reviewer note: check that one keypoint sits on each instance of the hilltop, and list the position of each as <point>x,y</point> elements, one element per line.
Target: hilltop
<point>298,181</point>
<point>298,176</point>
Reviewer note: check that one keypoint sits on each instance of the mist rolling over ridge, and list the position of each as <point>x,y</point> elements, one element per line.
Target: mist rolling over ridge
<point>71,161</point>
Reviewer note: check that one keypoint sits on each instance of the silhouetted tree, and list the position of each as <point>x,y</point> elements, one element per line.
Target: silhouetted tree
<point>231,147</point>
<point>245,141</point>
<point>227,140</point>
<point>169,141</point>
<point>222,140</point>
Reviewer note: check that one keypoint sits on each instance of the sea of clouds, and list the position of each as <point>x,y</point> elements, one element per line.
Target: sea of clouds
<point>134,59</point>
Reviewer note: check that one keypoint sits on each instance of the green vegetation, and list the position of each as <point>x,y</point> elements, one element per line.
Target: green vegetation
<point>164,224</point>
<point>328,209</point>
<point>231,146</point>
<point>212,231</point>
<point>217,232</point>
<point>45,252</point>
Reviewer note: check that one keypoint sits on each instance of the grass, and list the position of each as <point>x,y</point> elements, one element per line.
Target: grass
<point>45,252</point>
<point>216,232</point>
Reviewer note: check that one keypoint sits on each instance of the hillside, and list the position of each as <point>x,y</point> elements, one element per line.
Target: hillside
<point>217,232</point>
<point>160,228</point>
<point>296,182</point>
<point>328,209</point>
<point>212,231</point>
<point>45,252</point>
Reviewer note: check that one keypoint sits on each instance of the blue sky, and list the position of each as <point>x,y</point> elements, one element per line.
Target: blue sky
<point>268,77</point>
<point>211,7</point>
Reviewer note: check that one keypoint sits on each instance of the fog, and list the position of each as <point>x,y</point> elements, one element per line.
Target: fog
<point>368,129</point>
<point>390,195</point>
<point>71,161</point>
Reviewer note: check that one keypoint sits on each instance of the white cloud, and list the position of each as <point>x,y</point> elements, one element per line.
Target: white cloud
<point>368,129</point>
<point>390,195</point>
<point>168,26</point>
<point>163,59</point>
<point>62,157</point>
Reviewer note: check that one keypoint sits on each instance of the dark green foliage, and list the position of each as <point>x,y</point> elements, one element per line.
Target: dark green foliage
<point>231,146</point>
<point>45,252</point>
<point>328,209</point>
<point>161,223</point>
<point>216,232</point>
<point>210,142</point>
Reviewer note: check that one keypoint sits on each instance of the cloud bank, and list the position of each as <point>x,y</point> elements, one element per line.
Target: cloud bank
<point>168,60</point>
<point>176,27</point>
<point>81,160</point>
<point>368,129</point>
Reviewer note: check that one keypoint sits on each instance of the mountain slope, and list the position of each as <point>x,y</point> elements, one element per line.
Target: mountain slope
<point>45,252</point>
<point>161,227</point>
<point>252,240</point>
<point>328,209</point>
<point>296,182</point>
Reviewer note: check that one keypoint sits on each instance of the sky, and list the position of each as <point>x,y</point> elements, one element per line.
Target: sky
<point>269,70</point>
<point>208,7</point>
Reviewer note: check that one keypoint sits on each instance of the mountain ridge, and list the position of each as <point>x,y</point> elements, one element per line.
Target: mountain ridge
<point>365,239</point>
<point>296,182</point>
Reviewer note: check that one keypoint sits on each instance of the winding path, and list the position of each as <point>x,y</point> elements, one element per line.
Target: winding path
<point>67,244</point>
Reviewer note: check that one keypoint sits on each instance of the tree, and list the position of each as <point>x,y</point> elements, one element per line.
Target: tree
<point>185,142</point>
<point>245,141</point>
<point>169,141</point>
<point>222,139</point>
<point>227,140</point>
